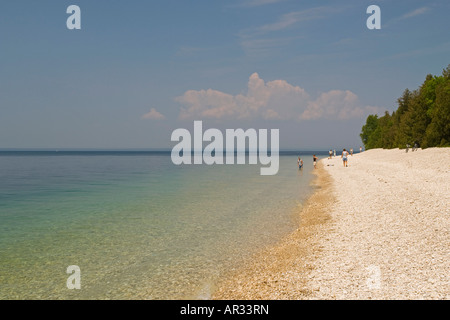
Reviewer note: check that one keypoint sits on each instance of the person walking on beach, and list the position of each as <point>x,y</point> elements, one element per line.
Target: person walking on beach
<point>344,157</point>
<point>315,161</point>
<point>351,151</point>
<point>360,149</point>
<point>334,152</point>
<point>300,163</point>
<point>330,154</point>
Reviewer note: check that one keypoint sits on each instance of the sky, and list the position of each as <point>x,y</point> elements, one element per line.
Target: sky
<point>138,70</point>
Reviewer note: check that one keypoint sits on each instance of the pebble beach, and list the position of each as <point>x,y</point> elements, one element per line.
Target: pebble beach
<point>377,229</point>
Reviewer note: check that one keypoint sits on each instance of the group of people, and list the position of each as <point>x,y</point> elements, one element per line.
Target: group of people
<point>300,162</point>
<point>414,148</point>
<point>345,154</point>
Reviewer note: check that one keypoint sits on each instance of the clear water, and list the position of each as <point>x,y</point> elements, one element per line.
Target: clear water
<point>138,226</point>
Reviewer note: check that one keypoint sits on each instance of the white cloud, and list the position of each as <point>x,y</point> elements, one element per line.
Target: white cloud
<point>334,104</point>
<point>295,17</point>
<point>271,100</point>
<point>414,13</point>
<point>153,115</point>
<point>408,15</point>
<point>265,39</point>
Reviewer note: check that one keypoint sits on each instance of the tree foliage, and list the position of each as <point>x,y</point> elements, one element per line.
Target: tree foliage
<point>422,117</point>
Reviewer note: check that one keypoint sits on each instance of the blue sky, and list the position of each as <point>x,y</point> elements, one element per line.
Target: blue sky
<point>137,70</point>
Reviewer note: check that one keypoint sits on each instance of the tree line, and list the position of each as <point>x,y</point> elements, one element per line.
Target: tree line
<point>422,118</point>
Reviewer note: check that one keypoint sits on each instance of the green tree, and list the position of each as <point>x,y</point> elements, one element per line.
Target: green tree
<point>405,134</point>
<point>387,133</point>
<point>368,130</point>
<point>438,131</point>
<point>400,138</point>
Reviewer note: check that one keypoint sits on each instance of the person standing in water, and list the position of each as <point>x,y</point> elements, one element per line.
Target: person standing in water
<point>344,157</point>
<point>300,163</point>
<point>315,161</point>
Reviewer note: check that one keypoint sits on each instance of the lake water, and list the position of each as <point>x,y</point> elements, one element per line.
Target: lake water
<point>137,226</point>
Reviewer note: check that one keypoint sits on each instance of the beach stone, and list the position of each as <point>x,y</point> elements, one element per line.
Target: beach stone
<point>377,229</point>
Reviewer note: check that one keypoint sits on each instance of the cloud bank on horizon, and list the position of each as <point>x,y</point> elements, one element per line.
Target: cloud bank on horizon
<point>272,100</point>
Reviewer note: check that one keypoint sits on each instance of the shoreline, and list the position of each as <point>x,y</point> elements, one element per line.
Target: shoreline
<point>279,271</point>
<point>377,229</point>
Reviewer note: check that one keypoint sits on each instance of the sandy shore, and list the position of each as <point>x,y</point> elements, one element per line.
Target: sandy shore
<point>377,229</point>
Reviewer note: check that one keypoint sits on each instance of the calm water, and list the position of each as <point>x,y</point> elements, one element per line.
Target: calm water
<point>136,225</point>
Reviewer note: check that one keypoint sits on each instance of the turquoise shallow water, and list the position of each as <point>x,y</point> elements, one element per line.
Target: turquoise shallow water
<point>136,225</point>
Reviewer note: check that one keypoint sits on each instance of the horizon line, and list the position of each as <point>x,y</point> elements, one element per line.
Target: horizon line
<point>141,150</point>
